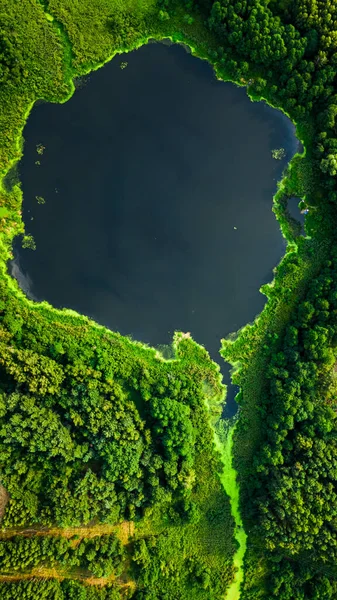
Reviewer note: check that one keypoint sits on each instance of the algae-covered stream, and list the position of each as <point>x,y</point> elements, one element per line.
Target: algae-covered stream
<point>228,479</point>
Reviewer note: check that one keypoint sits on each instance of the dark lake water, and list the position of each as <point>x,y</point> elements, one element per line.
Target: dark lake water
<point>295,212</point>
<point>158,182</point>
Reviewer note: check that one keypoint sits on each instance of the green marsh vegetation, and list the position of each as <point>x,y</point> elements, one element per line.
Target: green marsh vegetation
<point>28,242</point>
<point>278,153</point>
<point>97,428</point>
<point>224,443</point>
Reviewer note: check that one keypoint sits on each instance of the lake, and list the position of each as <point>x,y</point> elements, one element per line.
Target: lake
<point>158,184</point>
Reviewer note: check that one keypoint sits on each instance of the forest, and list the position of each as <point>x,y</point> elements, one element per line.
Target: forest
<point>97,431</point>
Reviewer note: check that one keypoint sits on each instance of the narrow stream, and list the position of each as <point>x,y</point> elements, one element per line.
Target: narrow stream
<point>229,481</point>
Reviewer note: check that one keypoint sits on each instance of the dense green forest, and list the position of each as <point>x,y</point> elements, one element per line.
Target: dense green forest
<point>98,431</point>
<point>100,556</point>
<point>55,590</point>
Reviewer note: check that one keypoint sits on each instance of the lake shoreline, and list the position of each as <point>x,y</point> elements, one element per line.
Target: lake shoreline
<point>6,238</point>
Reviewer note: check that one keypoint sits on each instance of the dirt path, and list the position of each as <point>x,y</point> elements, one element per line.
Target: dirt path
<point>124,531</point>
<point>44,573</point>
<point>4,497</point>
